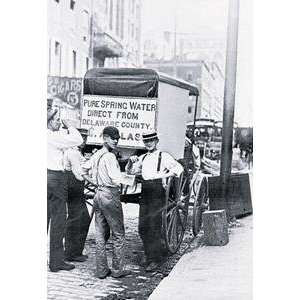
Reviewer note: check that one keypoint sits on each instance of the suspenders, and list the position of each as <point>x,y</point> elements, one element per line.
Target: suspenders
<point>98,162</point>
<point>158,162</point>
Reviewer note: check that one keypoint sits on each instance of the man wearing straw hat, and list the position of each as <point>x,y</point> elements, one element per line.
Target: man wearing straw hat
<point>78,220</point>
<point>57,142</point>
<point>154,167</point>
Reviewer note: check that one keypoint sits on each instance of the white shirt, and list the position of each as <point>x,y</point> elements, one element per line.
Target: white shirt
<point>105,172</point>
<point>147,165</point>
<point>73,160</point>
<point>57,142</point>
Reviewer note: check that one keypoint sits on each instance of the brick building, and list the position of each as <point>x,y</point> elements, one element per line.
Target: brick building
<point>83,34</point>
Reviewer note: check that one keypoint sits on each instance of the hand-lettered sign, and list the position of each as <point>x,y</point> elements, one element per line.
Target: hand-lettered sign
<point>132,116</point>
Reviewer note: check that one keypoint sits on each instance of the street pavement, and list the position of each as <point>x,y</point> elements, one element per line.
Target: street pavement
<point>81,282</point>
<point>201,272</point>
<point>213,272</point>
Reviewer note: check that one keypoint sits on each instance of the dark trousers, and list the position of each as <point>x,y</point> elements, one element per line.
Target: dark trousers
<point>78,220</point>
<point>150,219</point>
<point>109,217</point>
<point>56,213</point>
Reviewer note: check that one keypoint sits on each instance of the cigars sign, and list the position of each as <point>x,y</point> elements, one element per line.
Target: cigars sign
<point>67,89</point>
<point>132,116</point>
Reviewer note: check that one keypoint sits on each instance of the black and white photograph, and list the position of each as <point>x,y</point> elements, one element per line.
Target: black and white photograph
<point>149,149</point>
<point>146,171</point>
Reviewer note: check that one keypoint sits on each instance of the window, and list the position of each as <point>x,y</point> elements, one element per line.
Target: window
<point>57,52</point>
<point>137,34</point>
<point>111,15</point>
<point>85,24</point>
<point>49,58</point>
<point>74,63</point>
<point>72,4</point>
<point>122,19</point>
<point>118,18</point>
<point>87,63</point>
<point>57,48</point>
<point>106,7</point>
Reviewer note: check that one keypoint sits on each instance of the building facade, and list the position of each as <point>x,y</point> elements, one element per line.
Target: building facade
<point>83,34</point>
<point>194,59</point>
<point>93,33</point>
<point>207,76</point>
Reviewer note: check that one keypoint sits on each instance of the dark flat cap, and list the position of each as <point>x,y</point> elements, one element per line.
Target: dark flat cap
<point>83,131</point>
<point>111,131</point>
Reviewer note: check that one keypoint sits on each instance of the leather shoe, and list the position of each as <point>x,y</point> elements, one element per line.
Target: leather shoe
<point>121,274</point>
<point>79,258</point>
<point>104,276</point>
<point>152,267</point>
<point>62,266</point>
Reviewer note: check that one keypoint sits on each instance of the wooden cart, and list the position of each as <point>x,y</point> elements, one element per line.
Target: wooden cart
<point>136,101</point>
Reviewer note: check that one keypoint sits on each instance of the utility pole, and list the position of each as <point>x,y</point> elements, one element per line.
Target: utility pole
<point>229,99</point>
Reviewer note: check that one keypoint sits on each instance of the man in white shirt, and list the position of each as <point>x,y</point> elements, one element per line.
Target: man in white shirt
<point>78,220</point>
<point>154,167</point>
<point>57,142</point>
<point>106,176</point>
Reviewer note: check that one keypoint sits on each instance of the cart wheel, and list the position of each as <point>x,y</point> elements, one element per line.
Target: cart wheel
<point>174,215</point>
<point>200,204</point>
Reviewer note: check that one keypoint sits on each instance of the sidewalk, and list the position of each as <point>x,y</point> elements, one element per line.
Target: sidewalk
<point>213,273</point>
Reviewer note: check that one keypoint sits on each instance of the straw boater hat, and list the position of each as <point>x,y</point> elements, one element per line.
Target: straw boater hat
<point>150,135</point>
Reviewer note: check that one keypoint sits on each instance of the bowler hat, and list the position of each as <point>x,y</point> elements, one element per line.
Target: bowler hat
<point>51,113</point>
<point>111,131</point>
<point>151,135</point>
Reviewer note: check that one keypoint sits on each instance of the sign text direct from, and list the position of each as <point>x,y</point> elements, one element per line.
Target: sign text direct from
<point>132,116</point>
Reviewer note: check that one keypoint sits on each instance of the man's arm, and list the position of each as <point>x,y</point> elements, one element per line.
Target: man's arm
<point>86,167</point>
<point>89,179</point>
<point>65,138</point>
<point>134,165</point>
<point>172,166</point>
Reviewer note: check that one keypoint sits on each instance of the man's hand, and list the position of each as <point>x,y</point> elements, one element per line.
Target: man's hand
<point>134,158</point>
<point>66,123</point>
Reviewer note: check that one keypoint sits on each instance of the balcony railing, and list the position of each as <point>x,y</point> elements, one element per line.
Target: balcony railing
<point>106,46</point>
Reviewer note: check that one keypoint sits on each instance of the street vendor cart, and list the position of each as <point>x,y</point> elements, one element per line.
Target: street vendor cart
<point>137,101</point>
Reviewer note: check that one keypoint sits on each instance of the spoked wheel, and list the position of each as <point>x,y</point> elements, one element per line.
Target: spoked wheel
<point>200,204</point>
<point>175,213</point>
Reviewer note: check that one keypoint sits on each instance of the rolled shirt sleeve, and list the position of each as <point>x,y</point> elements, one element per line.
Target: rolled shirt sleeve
<point>65,139</point>
<point>169,163</point>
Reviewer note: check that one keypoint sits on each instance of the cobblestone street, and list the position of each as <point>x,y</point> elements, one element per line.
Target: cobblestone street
<point>81,283</point>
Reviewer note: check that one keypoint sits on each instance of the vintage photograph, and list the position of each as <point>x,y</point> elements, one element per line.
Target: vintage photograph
<point>149,149</point>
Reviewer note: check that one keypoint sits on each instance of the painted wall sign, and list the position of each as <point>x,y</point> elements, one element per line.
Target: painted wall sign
<point>67,89</point>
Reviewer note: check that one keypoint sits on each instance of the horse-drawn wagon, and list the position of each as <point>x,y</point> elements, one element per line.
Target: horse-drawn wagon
<point>137,101</point>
